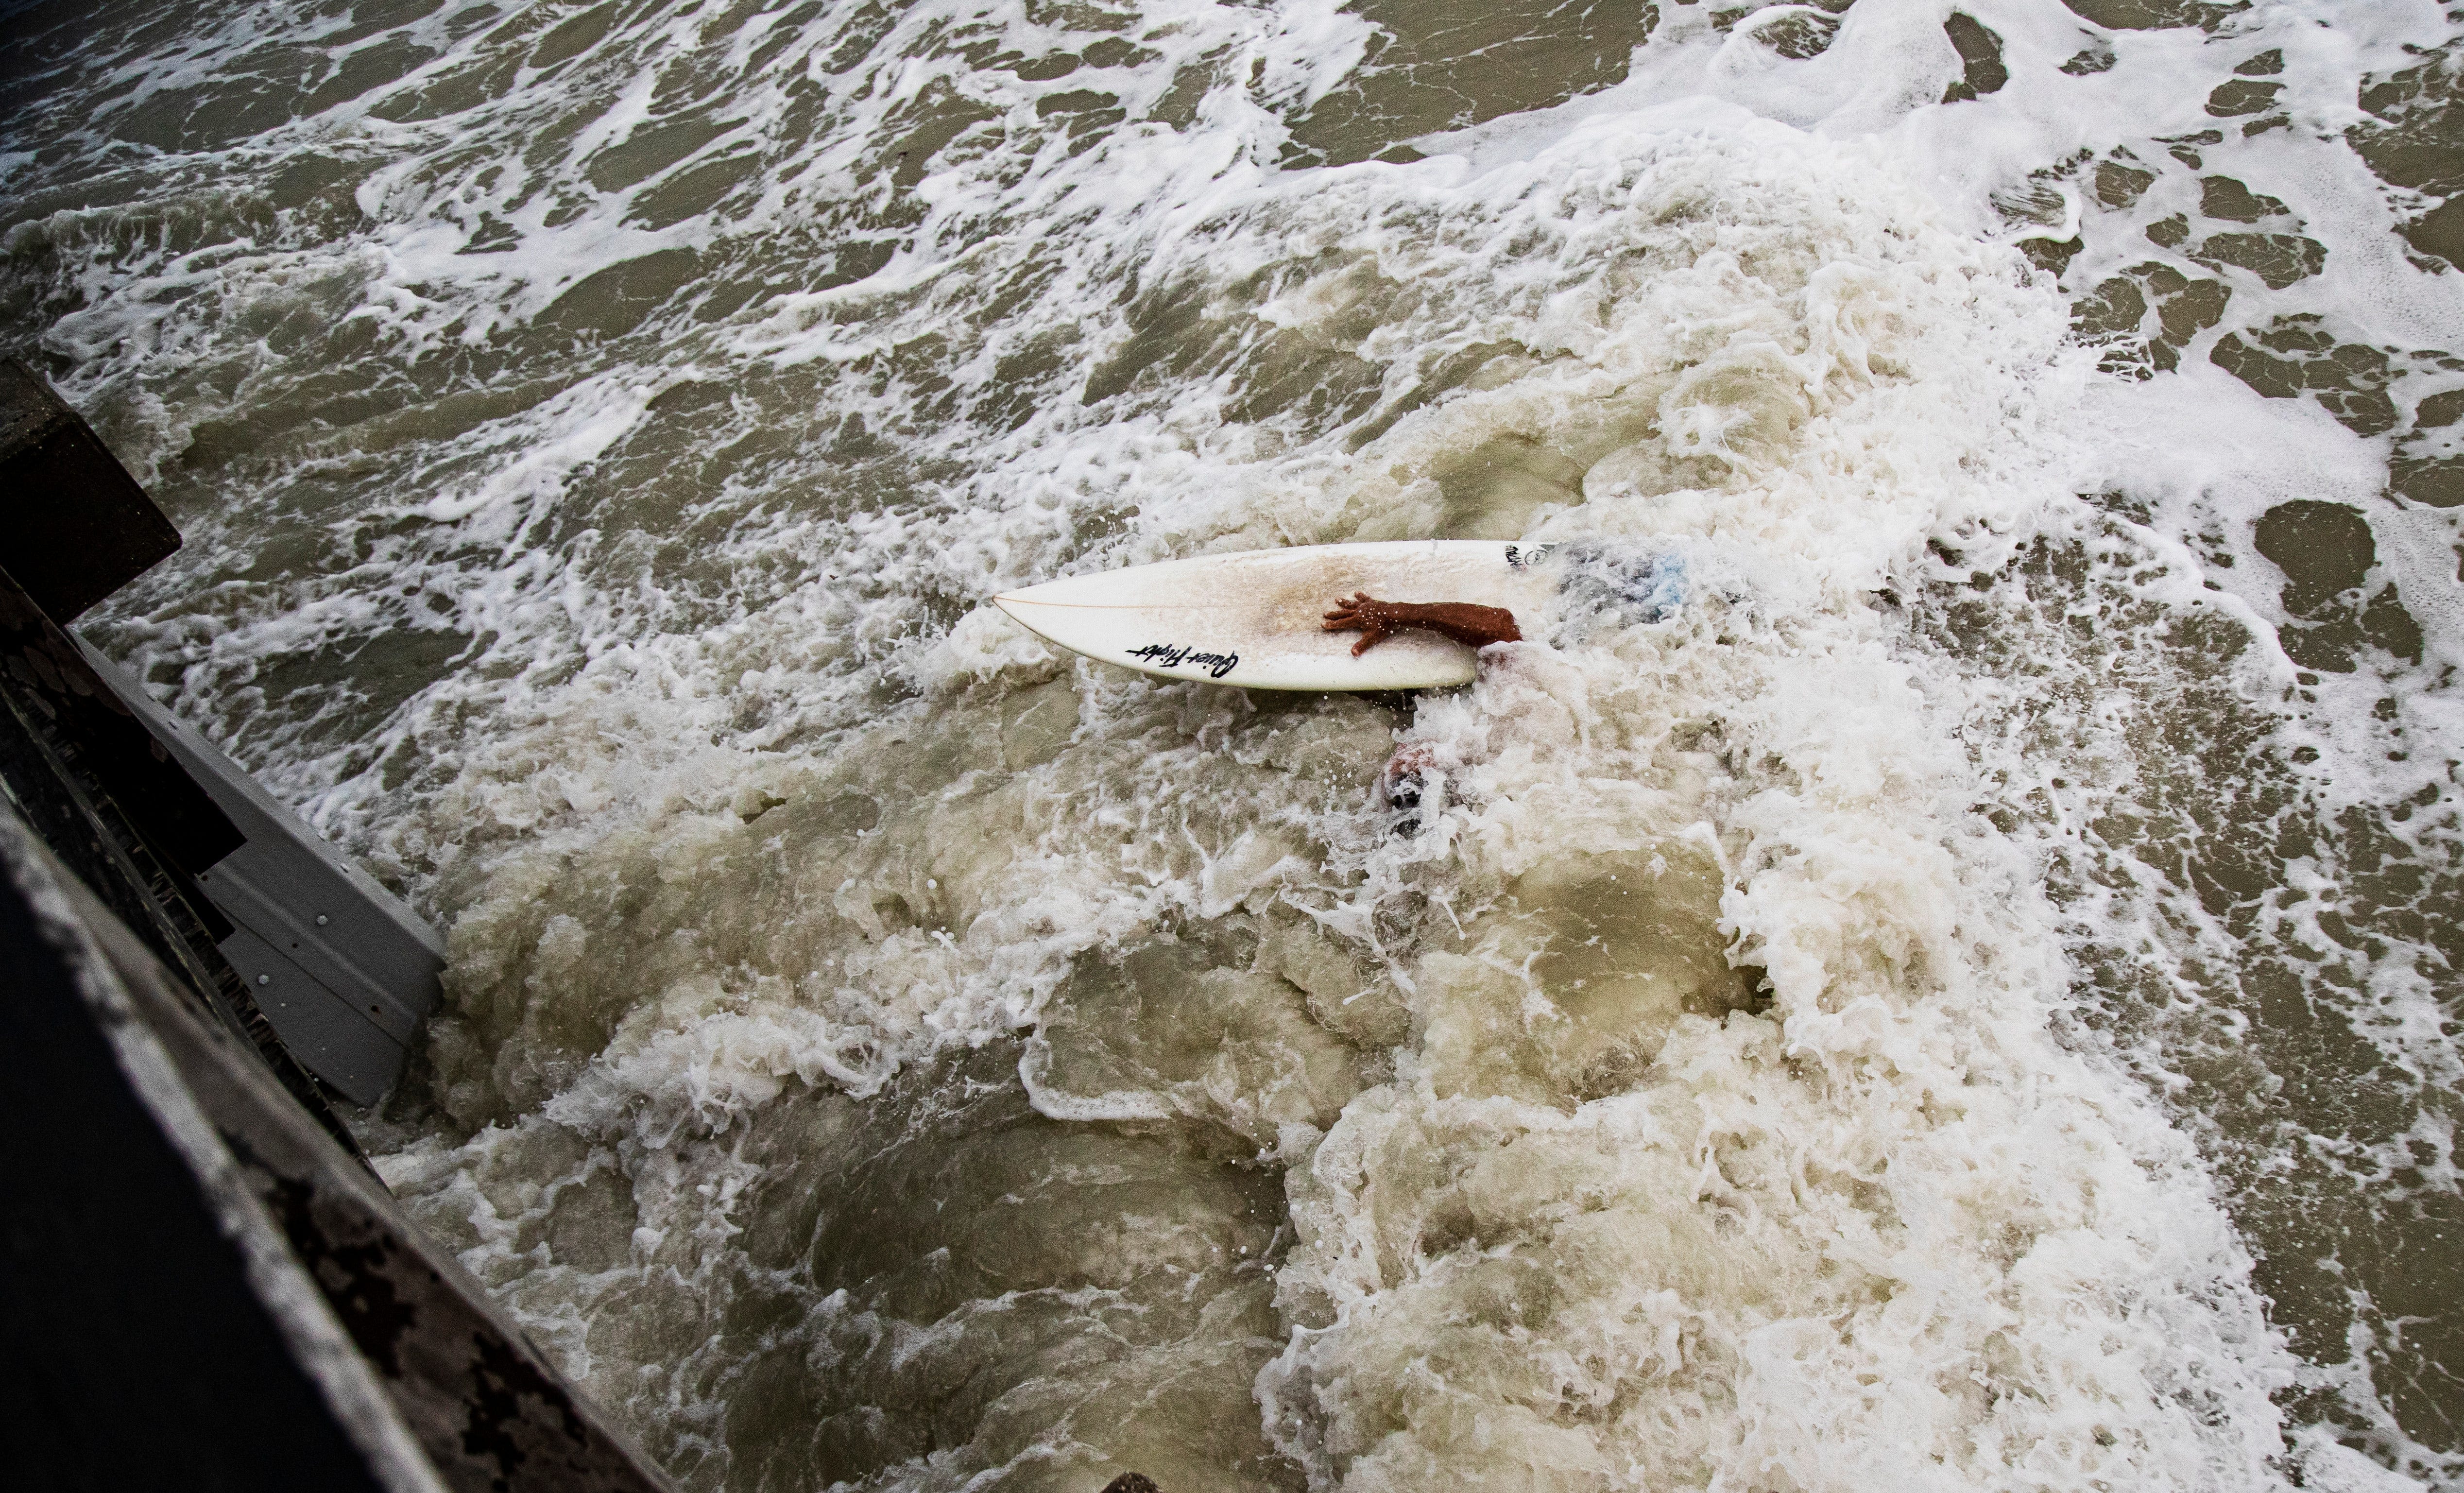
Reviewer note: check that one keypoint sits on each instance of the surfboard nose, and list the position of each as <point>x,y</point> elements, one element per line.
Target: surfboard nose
<point>1016,609</point>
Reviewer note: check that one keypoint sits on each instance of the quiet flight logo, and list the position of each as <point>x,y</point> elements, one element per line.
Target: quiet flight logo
<point>1172,655</point>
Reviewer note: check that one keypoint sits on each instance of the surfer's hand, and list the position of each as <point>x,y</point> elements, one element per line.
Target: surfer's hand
<point>1364,615</point>
<point>1473,626</point>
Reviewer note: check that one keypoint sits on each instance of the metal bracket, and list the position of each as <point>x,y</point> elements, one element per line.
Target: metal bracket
<point>346,974</point>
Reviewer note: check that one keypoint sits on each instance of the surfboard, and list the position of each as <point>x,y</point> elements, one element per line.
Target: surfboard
<point>1255,619</point>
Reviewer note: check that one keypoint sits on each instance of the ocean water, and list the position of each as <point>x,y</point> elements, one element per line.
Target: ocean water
<point>1958,992</point>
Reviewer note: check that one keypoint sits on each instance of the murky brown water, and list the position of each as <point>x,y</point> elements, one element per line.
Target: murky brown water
<point>1968,1001</point>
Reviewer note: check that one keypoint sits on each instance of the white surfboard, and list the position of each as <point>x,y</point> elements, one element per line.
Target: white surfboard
<point>1255,619</point>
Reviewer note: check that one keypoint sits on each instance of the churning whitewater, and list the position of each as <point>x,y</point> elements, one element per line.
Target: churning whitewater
<point>1929,968</point>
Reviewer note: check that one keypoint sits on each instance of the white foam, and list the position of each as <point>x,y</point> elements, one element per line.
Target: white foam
<point>1908,1226</point>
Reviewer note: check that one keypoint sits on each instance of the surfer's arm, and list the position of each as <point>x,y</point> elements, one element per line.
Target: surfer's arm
<point>1377,621</point>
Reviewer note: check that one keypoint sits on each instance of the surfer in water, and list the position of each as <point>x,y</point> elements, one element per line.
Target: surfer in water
<point>1377,621</point>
